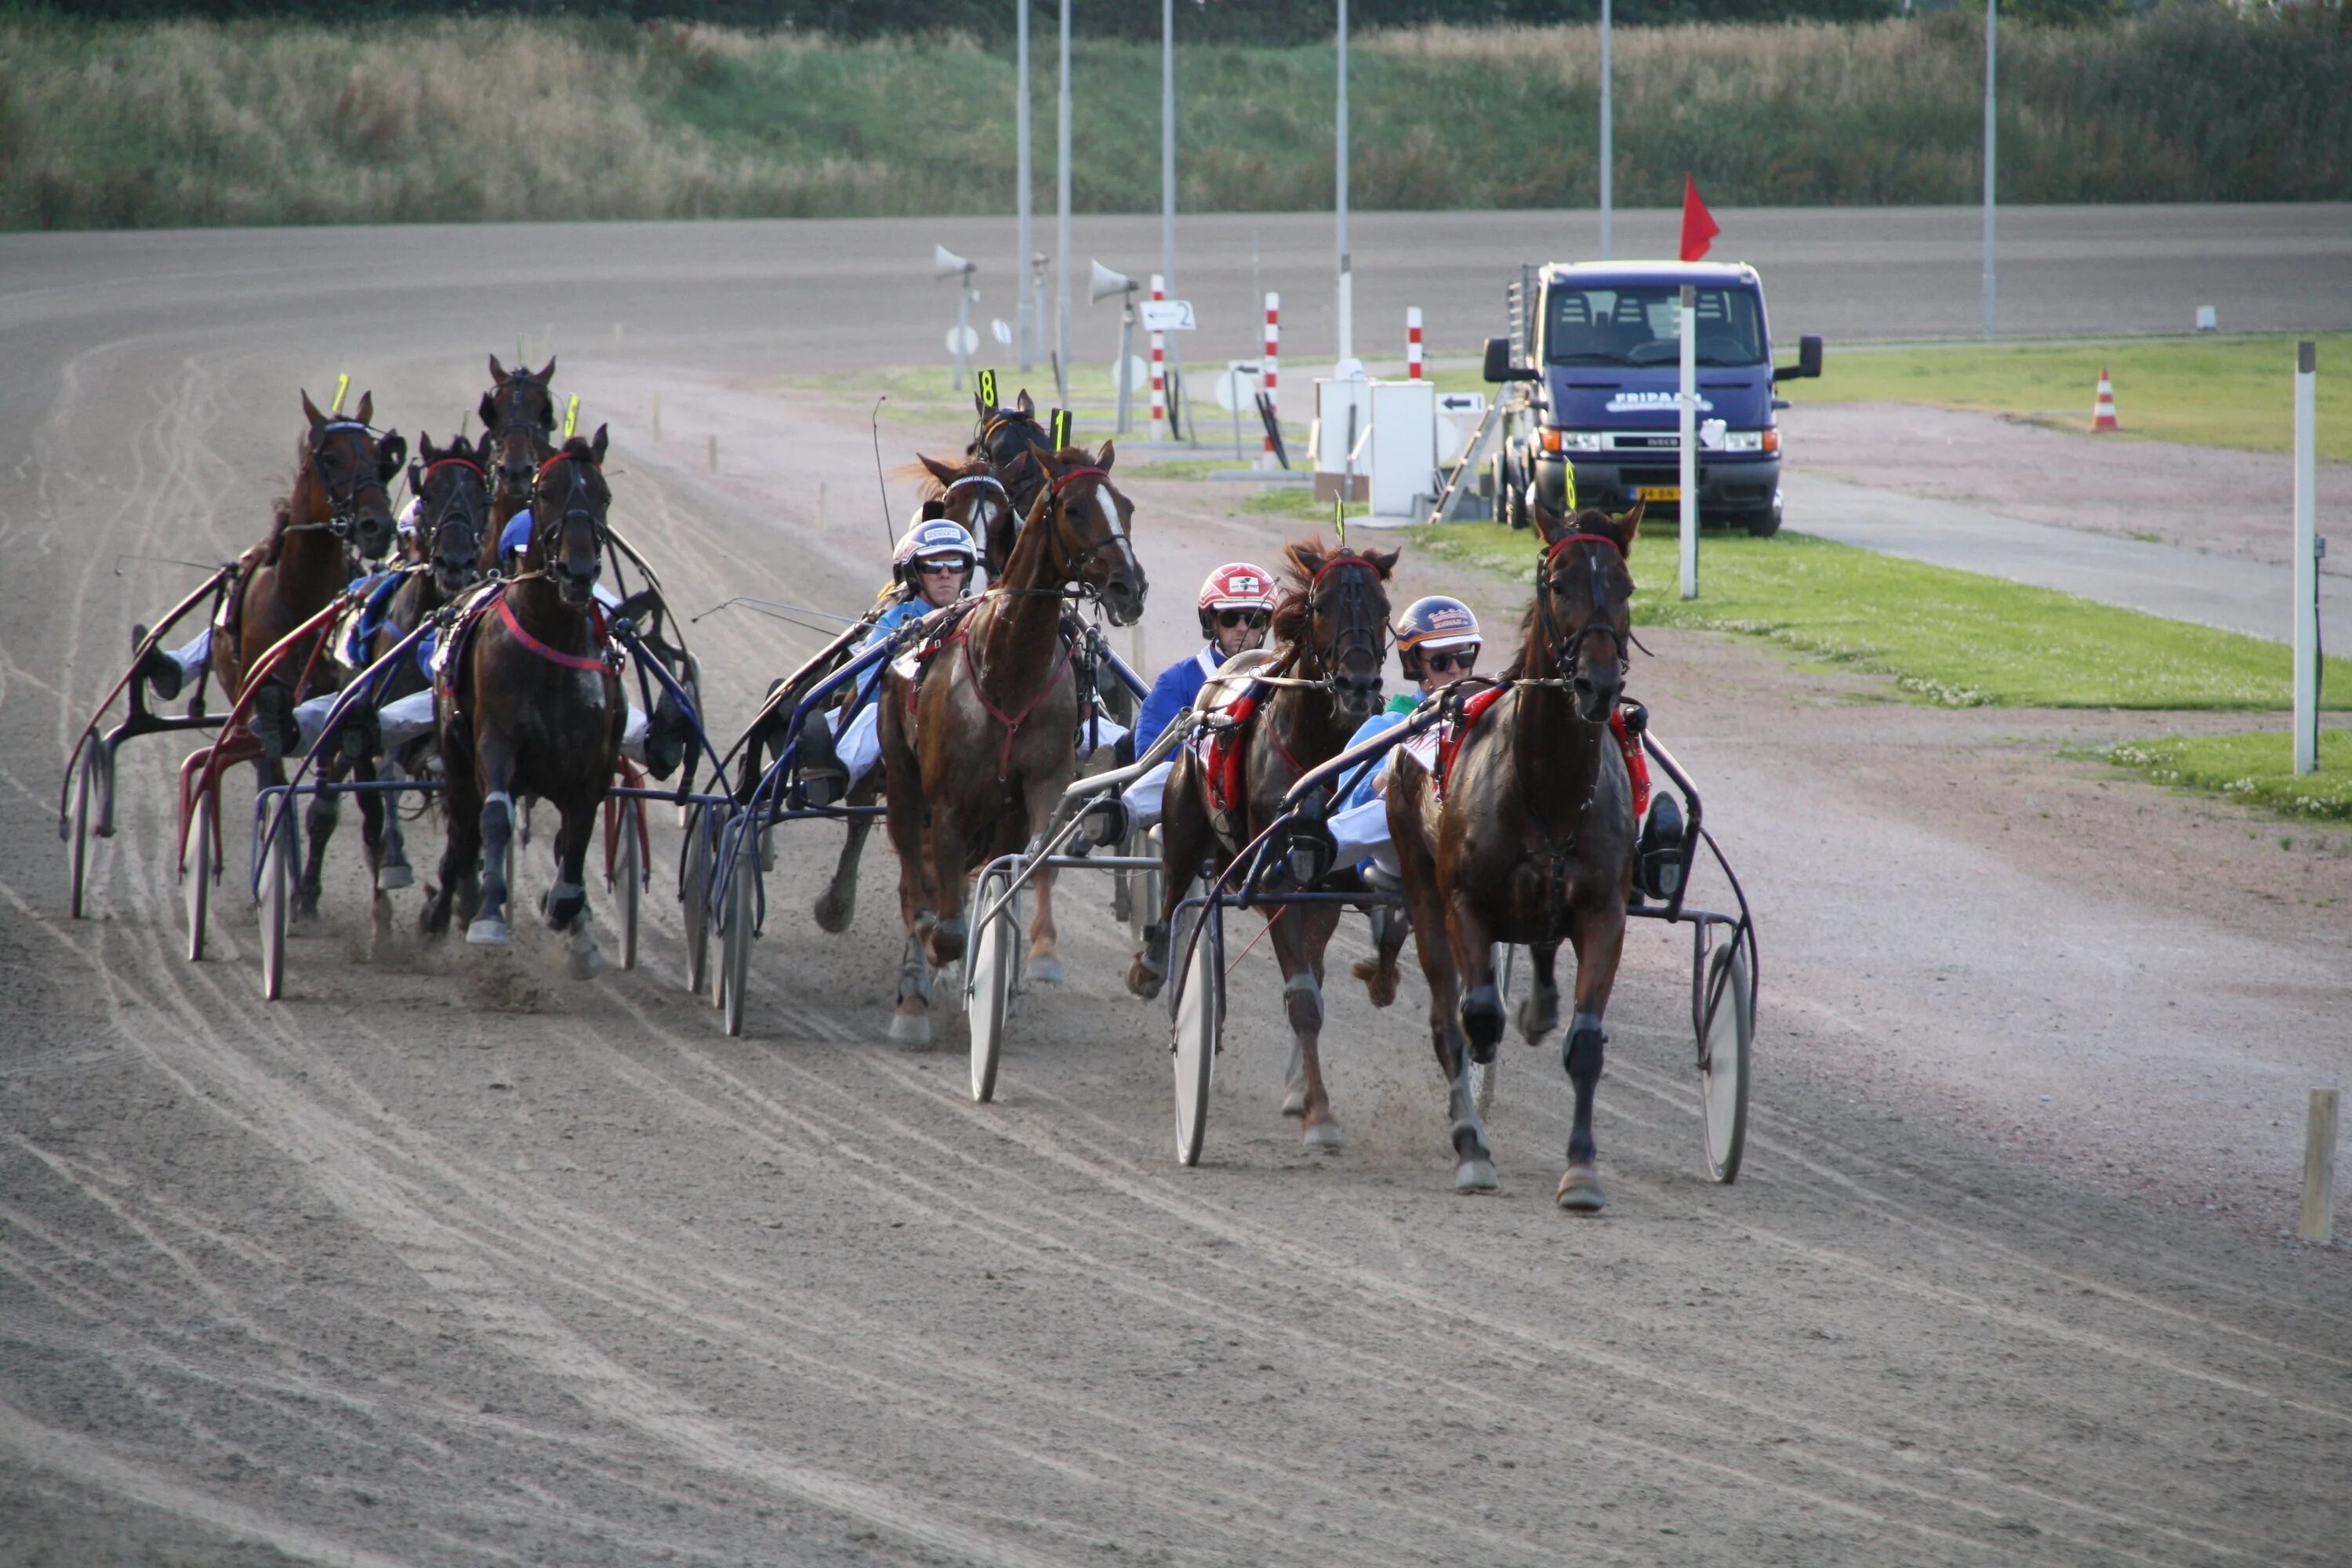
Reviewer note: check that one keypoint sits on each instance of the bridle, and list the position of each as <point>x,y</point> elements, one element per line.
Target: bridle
<point>343,510</point>
<point>548,526</point>
<point>542,432</point>
<point>1075,556</point>
<point>981,522</point>
<point>1565,646</point>
<point>1349,631</point>
<point>452,511</point>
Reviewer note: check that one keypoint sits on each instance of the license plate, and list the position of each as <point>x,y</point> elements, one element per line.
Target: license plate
<point>1657,492</point>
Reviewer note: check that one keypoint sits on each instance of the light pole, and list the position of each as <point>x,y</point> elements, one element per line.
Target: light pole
<point>1062,221</point>
<point>1346,279</point>
<point>1022,270</point>
<point>1993,16</point>
<point>1607,163</point>
<point>1167,157</point>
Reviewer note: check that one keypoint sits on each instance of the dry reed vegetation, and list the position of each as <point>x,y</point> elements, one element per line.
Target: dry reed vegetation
<point>496,119</point>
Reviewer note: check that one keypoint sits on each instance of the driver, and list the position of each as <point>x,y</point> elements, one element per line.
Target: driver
<point>1236,607</point>
<point>932,568</point>
<point>1437,643</point>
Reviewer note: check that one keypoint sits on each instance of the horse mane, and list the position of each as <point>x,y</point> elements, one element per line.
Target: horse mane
<point>934,488</point>
<point>1589,519</point>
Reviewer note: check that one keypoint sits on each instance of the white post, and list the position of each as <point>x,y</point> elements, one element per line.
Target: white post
<point>1270,371</point>
<point>1339,159</point>
<point>1062,217</point>
<point>1167,180</point>
<point>1021,268</point>
<point>1413,343</point>
<point>1606,161</point>
<point>2307,558</point>
<point>1686,412</point>
<point>963,325</point>
<point>1993,18</point>
<point>1126,353</point>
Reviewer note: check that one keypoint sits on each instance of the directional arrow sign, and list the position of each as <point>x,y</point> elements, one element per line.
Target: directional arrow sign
<point>1167,315</point>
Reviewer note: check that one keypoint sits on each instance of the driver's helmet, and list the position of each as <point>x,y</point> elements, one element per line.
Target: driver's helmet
<point>930,540</point>
<point>404,525</point>
<point>1236,588</point>
<point>1433,624</point>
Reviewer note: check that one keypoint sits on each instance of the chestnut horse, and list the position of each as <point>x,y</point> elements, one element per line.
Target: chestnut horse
<point>452,486</point>
<point>1533,840</point>
<point>535,708</point>
<point>971,494</point>
<point>1330,643</point>
<point>977,755</point>
<point>337,512</point>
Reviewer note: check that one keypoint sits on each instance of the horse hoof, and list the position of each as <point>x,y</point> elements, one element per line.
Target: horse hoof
<point>833,914</point>
<point>1323,1135</point>
<point>948,977</point>
<point>1537,1017</point>
<point>946,942</point>
<point>1380,985</point>
<point>1144,981</point>
<point>1046,970</point>
<point>1579,1190</point>
<point>487,933</point>
<point>1294,1101</point>
<point>911,1028</point>
<point>1475,1176</point>
<point>587,959</point>
<point>393,876</point>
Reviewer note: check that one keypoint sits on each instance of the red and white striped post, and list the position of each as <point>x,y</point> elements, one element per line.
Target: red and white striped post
<point>1159,366</point>
<point>1269,369</point>
<point>1413,343</point>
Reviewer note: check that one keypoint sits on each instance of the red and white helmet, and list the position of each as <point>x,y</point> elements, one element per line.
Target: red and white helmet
<point>1236,586</point>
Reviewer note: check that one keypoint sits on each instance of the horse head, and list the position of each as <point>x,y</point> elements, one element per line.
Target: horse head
<point>569,501</point>
<point>519,418</point>
<point>1581,627</point>
<point>1333,618</point>
<point>1014,445</point>
<point>452,485</point>
<point>1086,522</point>
<point>972,494</point>
<point>349,464</point>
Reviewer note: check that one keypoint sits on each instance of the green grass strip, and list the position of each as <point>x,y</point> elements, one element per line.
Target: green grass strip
<point>2257,768</point>
<point>2214,392</point>
<point>1956,638</point>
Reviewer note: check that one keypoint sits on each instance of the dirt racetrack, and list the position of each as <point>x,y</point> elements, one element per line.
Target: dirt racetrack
<point>445,1259</point>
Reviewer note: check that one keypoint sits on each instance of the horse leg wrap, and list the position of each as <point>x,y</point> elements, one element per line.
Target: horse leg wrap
<point>323,811</point>
<point>914,973</point>
<point>1303,1000</point>
<point>498,830</point>
<point>1482,1020</point>
<point>1581,1055</point>
<point>562,903</point>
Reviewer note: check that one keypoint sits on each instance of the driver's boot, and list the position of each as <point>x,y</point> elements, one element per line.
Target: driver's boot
<point>159,670</point>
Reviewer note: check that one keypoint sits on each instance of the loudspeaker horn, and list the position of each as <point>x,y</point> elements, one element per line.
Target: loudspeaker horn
<point>1106,282</point>
<point>946,263</point>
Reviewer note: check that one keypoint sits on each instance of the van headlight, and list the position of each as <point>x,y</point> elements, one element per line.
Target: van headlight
<point>1743,441</point>
<point>1572,440</point>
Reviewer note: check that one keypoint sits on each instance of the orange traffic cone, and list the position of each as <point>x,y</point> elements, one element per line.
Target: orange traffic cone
<point>2102,413</point>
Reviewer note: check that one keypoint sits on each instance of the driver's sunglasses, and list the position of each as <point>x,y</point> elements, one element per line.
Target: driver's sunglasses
<point>1439,663</point>
<point>945,567</point>
<point>1254,619</point>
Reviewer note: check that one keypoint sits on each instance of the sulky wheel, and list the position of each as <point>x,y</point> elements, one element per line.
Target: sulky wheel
<point>693,896</point>
<point>988,991</point>
<point>735,948</point>
<point>196,868</point>
<point>276,898</point>
<point>629,879</point>
<point>1198,943</point>
<point>86,783</point>
<point>1723,1048</point>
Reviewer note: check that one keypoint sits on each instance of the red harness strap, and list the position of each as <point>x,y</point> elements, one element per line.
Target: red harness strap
<point>1637,765</point>
<point>1449,747</point>
<point>1012,721</point>
<point>553,656</point>
<point>1221,769</point>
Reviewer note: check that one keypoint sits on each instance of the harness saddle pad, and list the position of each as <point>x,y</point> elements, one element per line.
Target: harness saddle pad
<point>1448,737</point>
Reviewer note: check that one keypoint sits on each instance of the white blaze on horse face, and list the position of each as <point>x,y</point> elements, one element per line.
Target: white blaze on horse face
<point>1110,523</point>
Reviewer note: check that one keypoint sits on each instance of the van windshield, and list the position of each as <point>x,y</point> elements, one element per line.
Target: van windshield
<point>1634,324</point>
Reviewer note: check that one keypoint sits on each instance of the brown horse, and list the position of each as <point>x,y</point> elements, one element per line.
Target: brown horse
<point>535,708</point>
<point>337,512</point>
<point>971,494</point>
<point>452,486</point>
<point>976,756</point>
<point>1533,840</point>
<point>518,434</point>
<point>1016,447</point>
<point>1330,642</point>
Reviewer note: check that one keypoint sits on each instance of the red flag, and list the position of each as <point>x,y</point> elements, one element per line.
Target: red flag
<point>1698,224</point>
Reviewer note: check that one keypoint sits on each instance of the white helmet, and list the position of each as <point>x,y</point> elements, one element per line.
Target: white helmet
<point>931,538</point>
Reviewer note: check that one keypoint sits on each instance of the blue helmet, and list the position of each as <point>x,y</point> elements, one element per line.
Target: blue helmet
<point>1434,624</point>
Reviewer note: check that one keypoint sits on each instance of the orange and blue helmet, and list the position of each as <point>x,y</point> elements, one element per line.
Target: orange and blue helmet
<point>1433,624</point>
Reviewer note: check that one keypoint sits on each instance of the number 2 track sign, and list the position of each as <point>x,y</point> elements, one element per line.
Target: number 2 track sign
<point>1166,315</point>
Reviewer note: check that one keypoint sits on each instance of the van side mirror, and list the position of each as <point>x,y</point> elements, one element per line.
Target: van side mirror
<point>1499,367</point>
<point>1808,361</point>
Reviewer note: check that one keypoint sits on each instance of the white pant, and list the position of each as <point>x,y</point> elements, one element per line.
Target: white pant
<point>193,656</point>
<point>406,718</point>
<point>1147,796</point>
<point>1362,833</point>
<point>860,746</point>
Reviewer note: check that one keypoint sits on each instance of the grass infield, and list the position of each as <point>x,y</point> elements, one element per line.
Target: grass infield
<point>1954,638</point>
<point>2257,768</point>
<point>2214,392</point>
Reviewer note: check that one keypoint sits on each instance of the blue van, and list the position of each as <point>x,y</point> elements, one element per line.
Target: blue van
<point>1606,361</point>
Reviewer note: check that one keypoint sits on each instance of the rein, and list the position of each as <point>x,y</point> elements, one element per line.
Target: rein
<point>604,664</point>
<point>339,519</point>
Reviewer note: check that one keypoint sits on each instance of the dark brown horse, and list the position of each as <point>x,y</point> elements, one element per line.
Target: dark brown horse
<point>1533,841</point>
<point>337,513</point>
<point>518,431</point>
<point>535,708</point>
<point>1330,642</point>
<point>1016,447</point>
<point>452,486</point>
<point>978,752</point>
<point>971,494</point>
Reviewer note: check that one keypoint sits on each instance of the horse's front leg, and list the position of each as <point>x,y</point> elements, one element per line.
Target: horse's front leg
<point>1600,937</point>
<point>566,903</point>
<point>1474,1167</point>
<point>392,869</point>
<point>1539,1009</point>
<point>460,854</point>
<point>494,771</point>
<point>1045,962</point>
<point>1473,941</point>
<point>1302,1002</point>
<point>910,829</point>
<point>318,819</point>
<point>838,903</point>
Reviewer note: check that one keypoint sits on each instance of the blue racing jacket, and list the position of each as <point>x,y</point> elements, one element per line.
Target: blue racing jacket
<point>1173,692</point>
